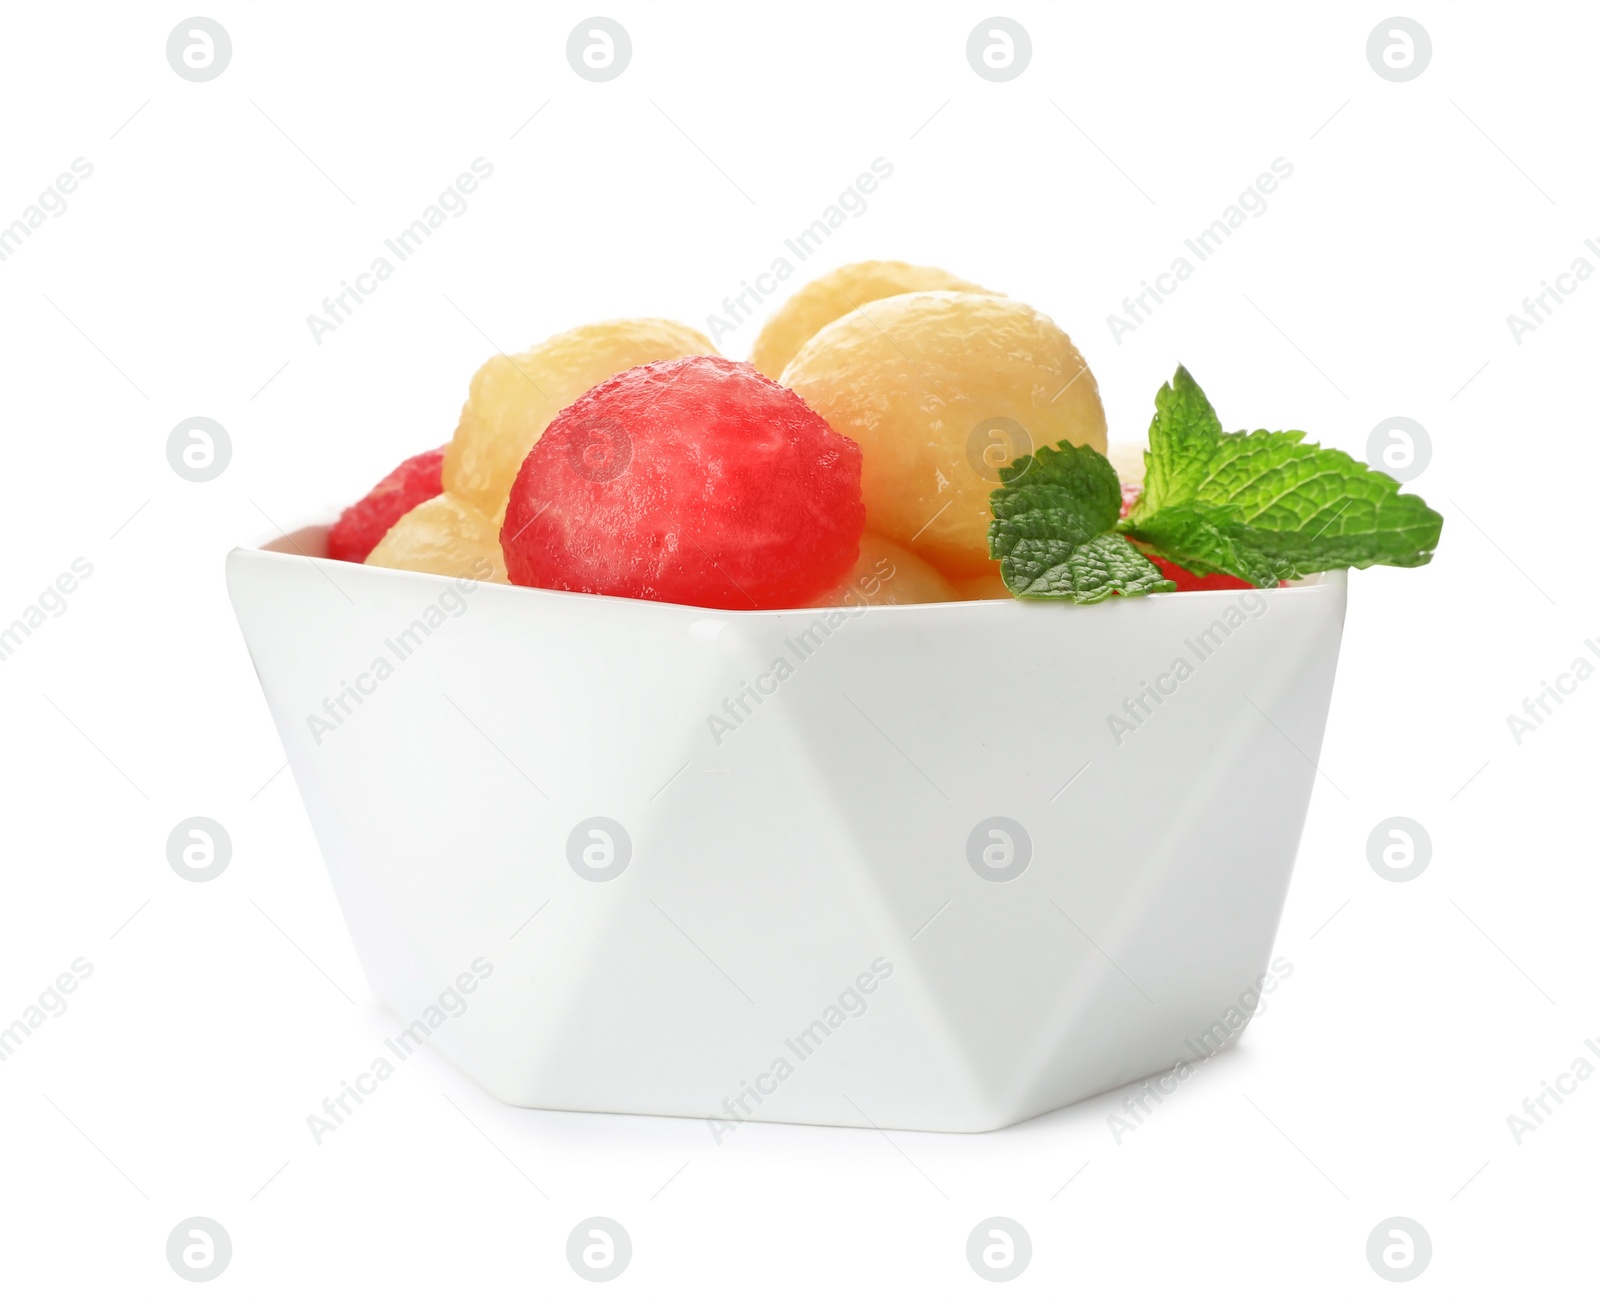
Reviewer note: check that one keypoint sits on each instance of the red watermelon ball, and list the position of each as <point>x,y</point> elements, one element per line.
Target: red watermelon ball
<point>697,481</point>
<point>1198,582</point>
<point>363,525</point>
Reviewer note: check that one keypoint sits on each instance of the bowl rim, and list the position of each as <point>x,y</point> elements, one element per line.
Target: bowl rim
<point>1312,582</point>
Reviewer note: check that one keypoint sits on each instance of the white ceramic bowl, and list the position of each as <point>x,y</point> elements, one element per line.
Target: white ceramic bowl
<point>811,913</point>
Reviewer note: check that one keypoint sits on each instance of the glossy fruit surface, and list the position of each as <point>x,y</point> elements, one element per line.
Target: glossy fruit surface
<point>1195,582</point>
<point>446,537</point>
<point>940,390</point>
<point>513,398</point>
<point>697,481</point>
<point>838,293</point>
<point>362,526</point>
<point>886,574</point>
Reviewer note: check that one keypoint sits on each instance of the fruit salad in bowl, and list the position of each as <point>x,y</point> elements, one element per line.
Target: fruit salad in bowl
<point>852,735</point>
<point>626,459</point>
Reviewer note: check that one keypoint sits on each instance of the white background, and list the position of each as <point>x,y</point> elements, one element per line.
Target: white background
<point>178,282</point>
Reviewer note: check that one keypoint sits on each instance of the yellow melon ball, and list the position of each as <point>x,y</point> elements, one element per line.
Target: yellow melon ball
<point>836,294</point>
<point>886,574</point>
<point>990,586</point>
<point>443,536</point>
<point>1127,458</point>
<point>940,390</point>
<point>513,398</point>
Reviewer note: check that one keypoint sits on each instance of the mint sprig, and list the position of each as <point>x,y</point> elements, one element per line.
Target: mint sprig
<point>1262,506</point>
<point>1055,516</point>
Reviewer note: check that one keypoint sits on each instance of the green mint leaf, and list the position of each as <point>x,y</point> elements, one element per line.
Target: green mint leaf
<point>1053,532</point>
<point>1104,566</point>
<point>1182,435</point>
<point>1208,539</point>
<point>1266,506</point>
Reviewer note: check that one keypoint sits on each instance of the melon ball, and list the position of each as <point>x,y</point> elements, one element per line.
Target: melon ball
<point>886,574</point>
<point>990,586</point>
<point>362,526</point>
<point>836,294</point>
<point>513,398</point>
<point>443,536</point>
<point>696,481</point>
<point>941,389</point>
<point>1127,458</point>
